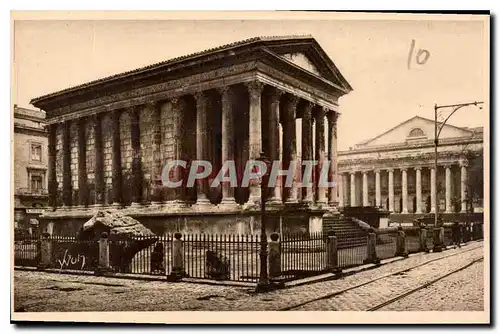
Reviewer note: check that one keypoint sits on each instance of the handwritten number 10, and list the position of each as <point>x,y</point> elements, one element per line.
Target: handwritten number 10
<point>420,58</point>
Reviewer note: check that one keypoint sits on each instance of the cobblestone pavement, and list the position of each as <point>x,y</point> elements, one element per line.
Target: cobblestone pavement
<point>36,291</point>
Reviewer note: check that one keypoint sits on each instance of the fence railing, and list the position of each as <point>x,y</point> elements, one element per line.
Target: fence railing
<point>235,257</point>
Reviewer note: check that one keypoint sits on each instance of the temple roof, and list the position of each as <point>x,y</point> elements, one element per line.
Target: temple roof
<point>269,42</point>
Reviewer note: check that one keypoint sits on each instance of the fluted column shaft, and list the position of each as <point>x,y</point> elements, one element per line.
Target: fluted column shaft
<point>377,189</point>
<point>290,144</point>
<point>463,187</point>
<point>202,144</point>
<point>227,141</point>
<point>116,161</point>
<point>82,164</point>
<point>255,134</point>
<point>391,189</point>
<point>418,188</point>
<point>404,190</point>
<point>99,161</point>
<point>433,190</point>
<point>332,158</point>
<point>136,156</point>
<point>365,188</point>
<point>51,177</point>
<point>67,187</point>
<point>307,143</point>
<point>274,138</point>
<point>353,189</point>
<point>448,188</point>
<point>157,186</point>
<point>320,152</point>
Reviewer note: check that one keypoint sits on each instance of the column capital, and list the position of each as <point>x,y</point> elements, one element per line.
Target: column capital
<point>417,168</point>
<point>364,172</point>
<point>352,173</point>
<point>463,163</point>
<point>447,165</point>
<point>332,116</point>
<point>254,88</point>
<point>390,170</point>
<point>403,169</point>
<point>307,114</point>
<point>377,171</point>
<point>275,94</point>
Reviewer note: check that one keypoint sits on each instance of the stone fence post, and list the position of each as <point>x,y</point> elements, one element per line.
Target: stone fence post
<point>438,239</point>
<point>103,267</point>
<point>332,260</point>
<point>178,271</point>
<point>45,251</point>
<point>371,249</point>
<point>423,239</point>
<point>275,259</point>
<point>401,243</point>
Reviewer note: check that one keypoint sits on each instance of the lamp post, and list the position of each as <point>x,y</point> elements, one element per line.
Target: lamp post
<point>438,127</point>
<point>263,285</point>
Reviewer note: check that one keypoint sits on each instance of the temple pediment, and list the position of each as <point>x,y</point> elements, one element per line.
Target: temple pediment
<point>302,61</point>
<point>415,129</point>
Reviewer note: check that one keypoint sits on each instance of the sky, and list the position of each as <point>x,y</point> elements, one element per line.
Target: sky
<point>371,54</point>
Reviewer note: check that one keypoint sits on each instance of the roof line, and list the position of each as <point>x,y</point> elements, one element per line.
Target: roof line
<point>172,61</point>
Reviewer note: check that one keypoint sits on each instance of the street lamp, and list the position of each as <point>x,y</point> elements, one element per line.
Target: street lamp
<point>263,284</point>
<point>437,132</point>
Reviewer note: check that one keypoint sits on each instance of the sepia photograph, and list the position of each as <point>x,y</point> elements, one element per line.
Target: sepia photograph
<point>170,163</point>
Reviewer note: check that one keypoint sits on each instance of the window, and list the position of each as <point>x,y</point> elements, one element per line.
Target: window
<point>36,182</point>
<point>417,132</point>
<point>36,152</point>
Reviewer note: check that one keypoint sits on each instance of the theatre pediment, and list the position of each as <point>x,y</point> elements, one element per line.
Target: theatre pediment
<point>414,130</point>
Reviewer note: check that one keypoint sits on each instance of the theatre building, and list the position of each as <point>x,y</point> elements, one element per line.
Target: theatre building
<point>395,171</point>
<point>108,140</point>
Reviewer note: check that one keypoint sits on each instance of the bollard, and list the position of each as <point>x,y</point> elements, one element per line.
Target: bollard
<point>401,243</point>
<point>45,251</point>
<point>275,260</point>
<point>103,267</point>
<point>371,250</point>
<point>332,261</point>
<point>178,271</point>
<point>438,239</point>
<point>423,240</point>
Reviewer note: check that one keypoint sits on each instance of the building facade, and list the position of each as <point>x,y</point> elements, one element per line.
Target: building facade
<point>395,170</point>
<point>110,139</point>
<point>30,167</point>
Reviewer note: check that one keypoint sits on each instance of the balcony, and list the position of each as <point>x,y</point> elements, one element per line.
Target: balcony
<point>32,192</point>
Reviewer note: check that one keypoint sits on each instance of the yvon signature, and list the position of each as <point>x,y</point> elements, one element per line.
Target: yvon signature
<point>68,260</point>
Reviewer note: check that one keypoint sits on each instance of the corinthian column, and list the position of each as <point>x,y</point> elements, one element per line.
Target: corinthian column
<point>378,198</point>
<point>116,158</point>
<point>353,188</point>
<point>463,186</point>
<point>156,194</point>
<point>67,188</point>
<point>418,188</point>
<point>99,161</point>
<point>255,134</point>
<point>82,164</point>
<point>448,188</point>
<point>274,139</point>
<point>202,144</point>
<point>332,158</point>
<point>136,156</point>
<point>307,146</point>
<point>365,188</point>
<point>320,152</point>
<point>433,190</point>
<point>404,190</point>
<point>391,189</point>
<point>290,144</point>
<point>227,142</point>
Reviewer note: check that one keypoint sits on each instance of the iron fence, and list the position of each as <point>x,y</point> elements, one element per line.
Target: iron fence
<point>303,254</point>
<point>67,252</point>
<point>352,247</point>
<point>386,242</point>
<point>27,251</point>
